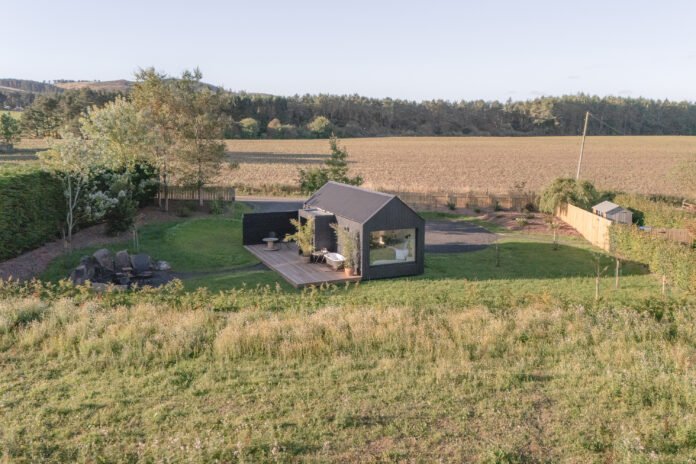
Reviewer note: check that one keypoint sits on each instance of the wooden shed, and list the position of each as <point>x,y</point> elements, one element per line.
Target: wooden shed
<point>613,212</point>
<point>390,235</point>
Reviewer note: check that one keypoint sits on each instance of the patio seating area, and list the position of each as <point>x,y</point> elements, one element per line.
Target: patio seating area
<point>286,261</point>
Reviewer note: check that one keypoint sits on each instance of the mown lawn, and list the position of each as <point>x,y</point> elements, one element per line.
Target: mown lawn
<point>198,244</point>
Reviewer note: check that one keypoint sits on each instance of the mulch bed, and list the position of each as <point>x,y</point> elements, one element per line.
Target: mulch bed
<point>34,262</point>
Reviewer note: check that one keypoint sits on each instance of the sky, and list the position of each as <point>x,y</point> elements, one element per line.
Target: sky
<point>420,50</point>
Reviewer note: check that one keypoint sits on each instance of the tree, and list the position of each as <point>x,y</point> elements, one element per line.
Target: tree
<point>336,170</point>
<point>10,129</point>
<point>118,134</point>
<point>250,128</point>
<point>200,151</point>
<point>320,127</point>
<point>567,190</point>
<point>152,95</point>
<point>72,159</point>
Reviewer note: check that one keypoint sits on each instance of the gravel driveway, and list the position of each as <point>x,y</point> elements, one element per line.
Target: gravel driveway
<point>456,237</point>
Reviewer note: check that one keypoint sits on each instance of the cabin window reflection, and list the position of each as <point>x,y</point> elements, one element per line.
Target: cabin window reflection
<point>392,246</point>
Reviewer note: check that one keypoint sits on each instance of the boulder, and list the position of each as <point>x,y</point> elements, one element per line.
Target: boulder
<point>122,260</point>
<point>105,259</point>
<point>141,263</point>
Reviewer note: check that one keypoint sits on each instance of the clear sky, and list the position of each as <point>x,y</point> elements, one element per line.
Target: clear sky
<point>420,50</point>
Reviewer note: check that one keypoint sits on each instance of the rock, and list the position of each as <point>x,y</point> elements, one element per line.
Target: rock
<point>78,275</point>
<point>90,264</point>
<point>122,260</point>
<point>141,263</point>
<point>105,259</point>
<point>162,266</point>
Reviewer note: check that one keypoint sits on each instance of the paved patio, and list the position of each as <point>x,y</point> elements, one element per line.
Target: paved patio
<point>291,266</point>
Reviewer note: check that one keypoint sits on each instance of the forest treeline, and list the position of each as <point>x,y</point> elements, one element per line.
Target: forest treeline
<point>250,115</point>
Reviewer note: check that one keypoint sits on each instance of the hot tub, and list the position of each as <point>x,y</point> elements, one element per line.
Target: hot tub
<point>335,260</point>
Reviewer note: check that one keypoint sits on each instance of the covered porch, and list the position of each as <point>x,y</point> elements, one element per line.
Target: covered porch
<point>286,261</point>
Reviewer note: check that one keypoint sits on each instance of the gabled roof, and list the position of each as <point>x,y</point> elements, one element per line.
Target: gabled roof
<point>607,207</point>
<point>354,203</point>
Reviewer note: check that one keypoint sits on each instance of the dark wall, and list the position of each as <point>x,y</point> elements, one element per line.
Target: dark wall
<point>257,226</point>
<point>394,215</point>
<point>324,235</point>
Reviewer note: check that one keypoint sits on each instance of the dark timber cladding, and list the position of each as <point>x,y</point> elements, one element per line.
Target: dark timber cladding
<point>257,226</point>
<point>365,212</point>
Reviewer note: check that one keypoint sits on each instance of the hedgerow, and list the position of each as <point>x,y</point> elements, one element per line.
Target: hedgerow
<point>31,208</point>
<point>665,257</point>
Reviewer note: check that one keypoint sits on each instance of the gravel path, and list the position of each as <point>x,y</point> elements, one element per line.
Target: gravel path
<point>456,237</point>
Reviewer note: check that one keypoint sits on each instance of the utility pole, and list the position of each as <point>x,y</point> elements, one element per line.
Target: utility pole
<point>582,146</point>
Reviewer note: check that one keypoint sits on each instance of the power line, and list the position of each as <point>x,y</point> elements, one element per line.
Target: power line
<point>608,125</point>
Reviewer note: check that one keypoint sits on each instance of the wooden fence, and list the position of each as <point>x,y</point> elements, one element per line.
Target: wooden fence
<point>594,228</point>
<point>676,235</point>
<point>191,193</point>
<point>430,201</point>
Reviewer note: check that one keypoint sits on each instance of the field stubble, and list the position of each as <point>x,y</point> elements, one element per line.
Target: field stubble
<point>460,164</point>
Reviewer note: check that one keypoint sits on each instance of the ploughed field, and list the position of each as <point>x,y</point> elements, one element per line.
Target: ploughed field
<point>640,164</point>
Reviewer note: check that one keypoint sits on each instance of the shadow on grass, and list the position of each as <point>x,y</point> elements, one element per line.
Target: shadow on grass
<point>524,260</point>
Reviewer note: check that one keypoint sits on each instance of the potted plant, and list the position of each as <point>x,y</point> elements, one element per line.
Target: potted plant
<point>303,236</point>
<point>348,242</point>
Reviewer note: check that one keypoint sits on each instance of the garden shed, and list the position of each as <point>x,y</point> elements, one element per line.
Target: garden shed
<point>613,212</point>
<point>389,235</point>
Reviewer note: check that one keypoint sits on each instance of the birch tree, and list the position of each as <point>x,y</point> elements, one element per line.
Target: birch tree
<point>71,159</point>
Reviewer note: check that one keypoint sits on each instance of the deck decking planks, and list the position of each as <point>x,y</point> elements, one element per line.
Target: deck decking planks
<point>290,265</point>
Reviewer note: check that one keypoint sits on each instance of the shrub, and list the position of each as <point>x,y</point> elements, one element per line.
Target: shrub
<point>671,259</point>
<point>32,209</point>
<point>320,127</point>
<point>184,211</point>
<point>521,221</point>
<point>654,212</point>
<point>496,206</point>
<point>217,206</point>
<point>566,190</point>
<point>250,128</point>
<point>451,204</point>
<point>477,210</point>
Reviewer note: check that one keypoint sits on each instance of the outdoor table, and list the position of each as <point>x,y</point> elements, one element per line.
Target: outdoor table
<point>270,242</point>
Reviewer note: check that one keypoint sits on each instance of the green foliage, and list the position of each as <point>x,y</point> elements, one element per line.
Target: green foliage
<point>320,127</point>
<point>217,207</point>
<point>31,209</point>
<point>349,244</point>
<point>250,128</point>
<point>184,211</point>
<point>654,212</point>
<point>521,221</point>
<point>665,257</point>
<point>303,236</point>
<point>336,170</point>
<point>567,190</point>
<point>10,128</point>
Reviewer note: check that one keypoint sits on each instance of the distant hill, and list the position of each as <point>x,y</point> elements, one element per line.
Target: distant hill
<point>25,85</point>
<point>120,85</point>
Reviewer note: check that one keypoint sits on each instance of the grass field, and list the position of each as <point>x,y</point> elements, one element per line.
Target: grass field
<point>471,361</point>
<point>408,370</point>
<point>496,164</point>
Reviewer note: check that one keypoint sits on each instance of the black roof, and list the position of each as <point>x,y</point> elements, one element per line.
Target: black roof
<point>354,203</point>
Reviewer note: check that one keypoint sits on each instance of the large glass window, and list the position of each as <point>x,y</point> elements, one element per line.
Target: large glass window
<point>392,246</point>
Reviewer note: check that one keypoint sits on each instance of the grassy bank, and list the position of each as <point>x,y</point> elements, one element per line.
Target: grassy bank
<point>339,375</point>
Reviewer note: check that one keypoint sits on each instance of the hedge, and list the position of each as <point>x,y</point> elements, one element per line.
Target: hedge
<point>673,260</point>
<point>655,212</point>
<point>31,208</point>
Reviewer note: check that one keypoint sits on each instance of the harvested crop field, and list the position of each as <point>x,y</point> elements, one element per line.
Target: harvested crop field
<point>458,164</point>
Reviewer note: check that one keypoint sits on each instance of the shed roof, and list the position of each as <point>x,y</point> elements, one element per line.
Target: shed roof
<point>348,201</point>
<point>608,207</point>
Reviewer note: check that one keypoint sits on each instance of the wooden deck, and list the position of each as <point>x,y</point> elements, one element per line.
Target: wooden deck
<point>289,264</point>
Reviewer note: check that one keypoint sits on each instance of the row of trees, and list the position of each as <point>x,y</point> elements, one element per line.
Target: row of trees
<point>245,115</point>
<point>166,124</point>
